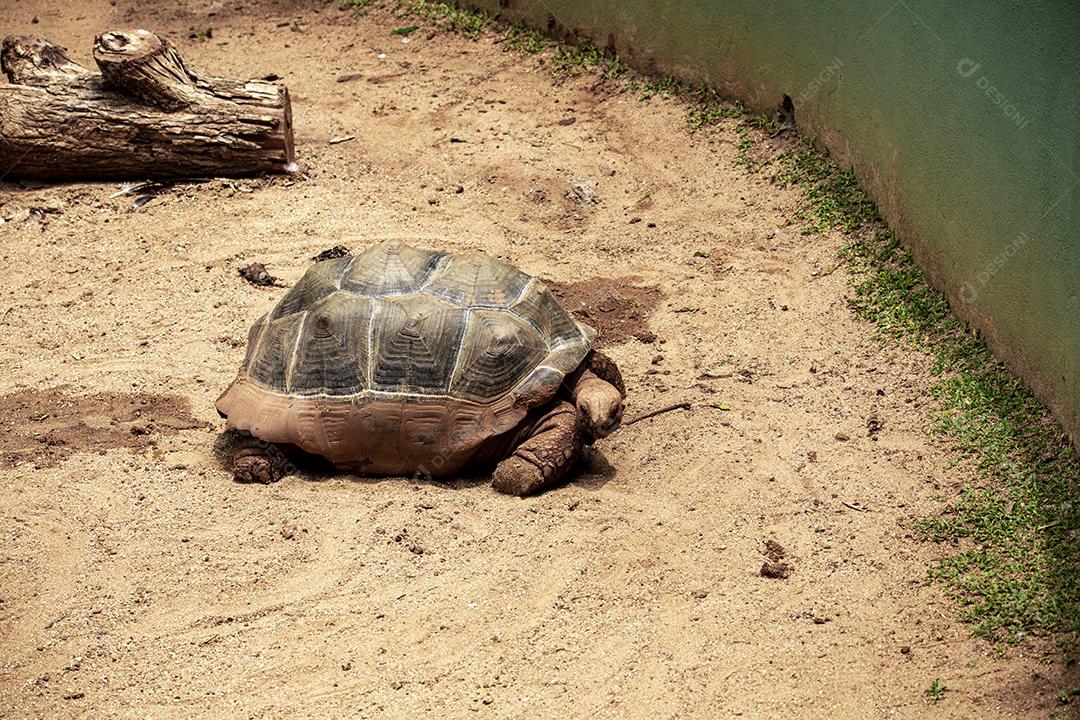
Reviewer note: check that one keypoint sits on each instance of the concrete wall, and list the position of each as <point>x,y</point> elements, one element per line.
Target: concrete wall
<point>962,119</point>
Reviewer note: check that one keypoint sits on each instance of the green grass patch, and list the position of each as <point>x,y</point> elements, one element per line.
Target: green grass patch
<point>1013,534</point>
<point>936,690</point>
<point>666,87</point>
<point>587,57</point>
<point>449,16</point>
<point>355,4</point>
<point>523,39</point>
<point>707,108</point>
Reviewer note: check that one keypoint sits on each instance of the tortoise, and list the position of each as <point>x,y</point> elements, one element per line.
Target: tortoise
<point>402,360</point>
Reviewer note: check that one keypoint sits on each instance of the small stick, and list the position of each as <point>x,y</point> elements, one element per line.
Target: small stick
<point>658,411</point>
<point>853,507</point>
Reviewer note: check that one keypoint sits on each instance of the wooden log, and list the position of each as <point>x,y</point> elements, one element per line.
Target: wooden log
<point>146,115</point>
<point>33,61</point>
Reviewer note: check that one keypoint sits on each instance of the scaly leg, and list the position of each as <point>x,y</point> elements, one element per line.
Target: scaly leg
<point>259,461</point>
<point>545,456</point>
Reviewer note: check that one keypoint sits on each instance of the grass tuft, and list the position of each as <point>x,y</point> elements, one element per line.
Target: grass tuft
<point>449,16</point>
<point>571,61</point>
<point>936,690</point>
<point>523,39</point>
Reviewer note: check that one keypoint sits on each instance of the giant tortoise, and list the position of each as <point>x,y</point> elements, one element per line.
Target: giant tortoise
<point>405,361</point>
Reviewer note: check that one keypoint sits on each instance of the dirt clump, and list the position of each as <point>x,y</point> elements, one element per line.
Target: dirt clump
<point>775,566</point>
<point>257,274</point>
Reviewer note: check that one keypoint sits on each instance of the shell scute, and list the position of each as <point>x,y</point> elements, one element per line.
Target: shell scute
<point>476,280</point>
<point>331,350</point>
<point>389,268</point>
<point>415,342</point>
<point>498,350</point>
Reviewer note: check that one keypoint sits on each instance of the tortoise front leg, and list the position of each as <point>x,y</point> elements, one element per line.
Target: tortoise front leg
<point>259,461</point>
<point>545,455</point>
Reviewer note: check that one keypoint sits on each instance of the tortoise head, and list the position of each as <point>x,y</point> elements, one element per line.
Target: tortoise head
<point>600,406</point>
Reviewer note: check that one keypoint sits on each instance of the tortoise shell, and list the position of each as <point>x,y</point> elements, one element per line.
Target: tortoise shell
<point>399,356</point>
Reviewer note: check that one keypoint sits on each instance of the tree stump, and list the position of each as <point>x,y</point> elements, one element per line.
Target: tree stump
<point>146,115</point>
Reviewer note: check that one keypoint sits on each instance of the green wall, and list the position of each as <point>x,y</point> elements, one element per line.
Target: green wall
<point>962,119</point>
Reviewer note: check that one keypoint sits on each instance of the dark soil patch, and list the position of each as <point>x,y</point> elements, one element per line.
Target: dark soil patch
<point>46,426</point>
<point>616,307</point>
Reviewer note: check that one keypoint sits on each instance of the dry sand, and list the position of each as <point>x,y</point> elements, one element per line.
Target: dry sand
<point>137,580</point>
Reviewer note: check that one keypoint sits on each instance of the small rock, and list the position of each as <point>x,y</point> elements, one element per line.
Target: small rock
<point>905,649</point>
<point>288,530</point>
<point>657,359</point>
<point>699,594</point>
<point>634,220</point>
<point>842,437</point>
<point>583,192</point>
<point>646,336</point>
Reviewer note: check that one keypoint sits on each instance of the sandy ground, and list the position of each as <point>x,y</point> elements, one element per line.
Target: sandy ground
<point>137,580</point>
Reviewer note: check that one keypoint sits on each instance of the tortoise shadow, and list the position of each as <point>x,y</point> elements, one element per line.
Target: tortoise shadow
<point>592,470</point>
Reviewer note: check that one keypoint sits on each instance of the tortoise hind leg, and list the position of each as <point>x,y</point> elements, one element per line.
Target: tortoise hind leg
<point>545,455</point>
<point>258,461</point>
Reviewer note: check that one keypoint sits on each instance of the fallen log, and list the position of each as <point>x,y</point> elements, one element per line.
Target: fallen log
<point>146,115</point>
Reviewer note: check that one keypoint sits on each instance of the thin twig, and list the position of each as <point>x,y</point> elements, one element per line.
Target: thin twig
<point>853,507</point>
<point>659,411</point>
